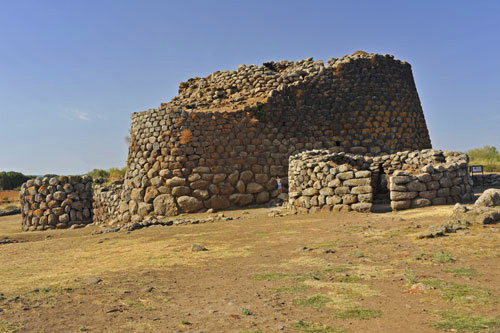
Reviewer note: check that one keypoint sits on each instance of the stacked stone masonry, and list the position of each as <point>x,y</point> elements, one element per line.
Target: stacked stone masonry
<point>329,179</point>
<point>56,202</point>
<point>106,202</point>
<point>222,141</point>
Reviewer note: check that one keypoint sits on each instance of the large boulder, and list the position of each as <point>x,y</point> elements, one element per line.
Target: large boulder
<point>240,199</point>
<point>489,198</point>
<point>164,204</point>
<point>217,202</point>
<point>189,204</point>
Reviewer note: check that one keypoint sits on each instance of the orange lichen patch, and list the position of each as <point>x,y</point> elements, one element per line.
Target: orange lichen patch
<point>360,52</point>
<point>253,120</point>
<point>38,212</point>
<point>186,136</point>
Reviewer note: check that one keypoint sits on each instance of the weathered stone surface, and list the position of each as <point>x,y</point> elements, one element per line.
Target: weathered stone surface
<point>357,182</point>
<point>199,184</point>
<point>189,204</point>
<point>326,191</point>
<point>180,191</point>
<point>241,199</point>
<point>400,179</point>
<point>399,205</point>
<point>201,194</point>
<point>64,218</point>
<point>310,191</point>
<point>165,205</point>
<point>217,202</point>
<point>416,186</point>
<point>144,208</point>
<point>489,198</point>
<point>151,193</point>
<point>254,188</point>
<point>233,177</point>
<point>59,195</point>
<point>176,181</point>
<point>137,194</point>
<point>220,177</point>
<point>225,188</point>
<point>363,207</point>
<point>398,196</point>
<point>246,176</point>
<point>262,197</point>
<point>345,175</point>
<point>240,186</point>
<point>420,202</point>
<point>361,189</point>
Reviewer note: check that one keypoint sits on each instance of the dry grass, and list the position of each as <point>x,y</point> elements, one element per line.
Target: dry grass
<point>254,263</point>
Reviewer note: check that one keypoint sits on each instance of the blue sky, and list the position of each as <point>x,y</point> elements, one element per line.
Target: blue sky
<point>72,72</point>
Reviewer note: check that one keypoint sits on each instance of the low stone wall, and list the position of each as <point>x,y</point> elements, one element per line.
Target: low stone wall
<point>57,202</point>
<point>331,179</point>
<point>439,185</point>
<point>318,180</point>
<point>106,202</point>
<point>488,180</point>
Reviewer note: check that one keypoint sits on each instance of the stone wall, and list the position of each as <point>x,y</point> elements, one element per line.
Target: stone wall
<point>330,179</point>
<point>326,181</point>
<point>486,180</point>
<point>56,202</point>
<point>224,138</point>
<point>447,182</point>
<point>106,202</point>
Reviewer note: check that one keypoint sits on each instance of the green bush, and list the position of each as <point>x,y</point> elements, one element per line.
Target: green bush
<point>11,180</point>
<point>108,175</point>
<point>488,156</point>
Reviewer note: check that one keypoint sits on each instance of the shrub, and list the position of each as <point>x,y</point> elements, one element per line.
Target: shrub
<point>488,156</point>
<point>11,180</point>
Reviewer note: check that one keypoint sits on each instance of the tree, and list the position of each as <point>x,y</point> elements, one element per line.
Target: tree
<point>11,180</point>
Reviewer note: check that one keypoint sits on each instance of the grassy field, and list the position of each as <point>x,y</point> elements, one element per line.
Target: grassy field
<point>298,273</point>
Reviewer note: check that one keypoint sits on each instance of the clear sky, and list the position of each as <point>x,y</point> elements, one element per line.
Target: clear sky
<point>72,72</point>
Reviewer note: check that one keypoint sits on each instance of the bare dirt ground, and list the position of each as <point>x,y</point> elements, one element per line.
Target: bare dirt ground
<point>320,272</point>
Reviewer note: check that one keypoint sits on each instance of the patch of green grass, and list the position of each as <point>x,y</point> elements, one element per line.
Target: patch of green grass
<point>462,271</point>
<point>316,302</point>
<point>461,293</point>
<point>338,269</point>
<point>9,327</point>
<point>82,328</point>
<point>410,278</point>
<point>443,257</point>
<point>357,313</point>
<point>465,322</point>
<point>347,278</point>
<point>246,312</point>
<point>358,254</point>
<point>305,326</point>
<point>291,290</point>
<point>186,323</point>
<point>271,276</point>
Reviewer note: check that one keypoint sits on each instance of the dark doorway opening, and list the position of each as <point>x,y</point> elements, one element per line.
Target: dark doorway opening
<point>381,197</point>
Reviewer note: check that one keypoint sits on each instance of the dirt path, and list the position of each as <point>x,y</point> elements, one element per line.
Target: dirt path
<point>298,273</point>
